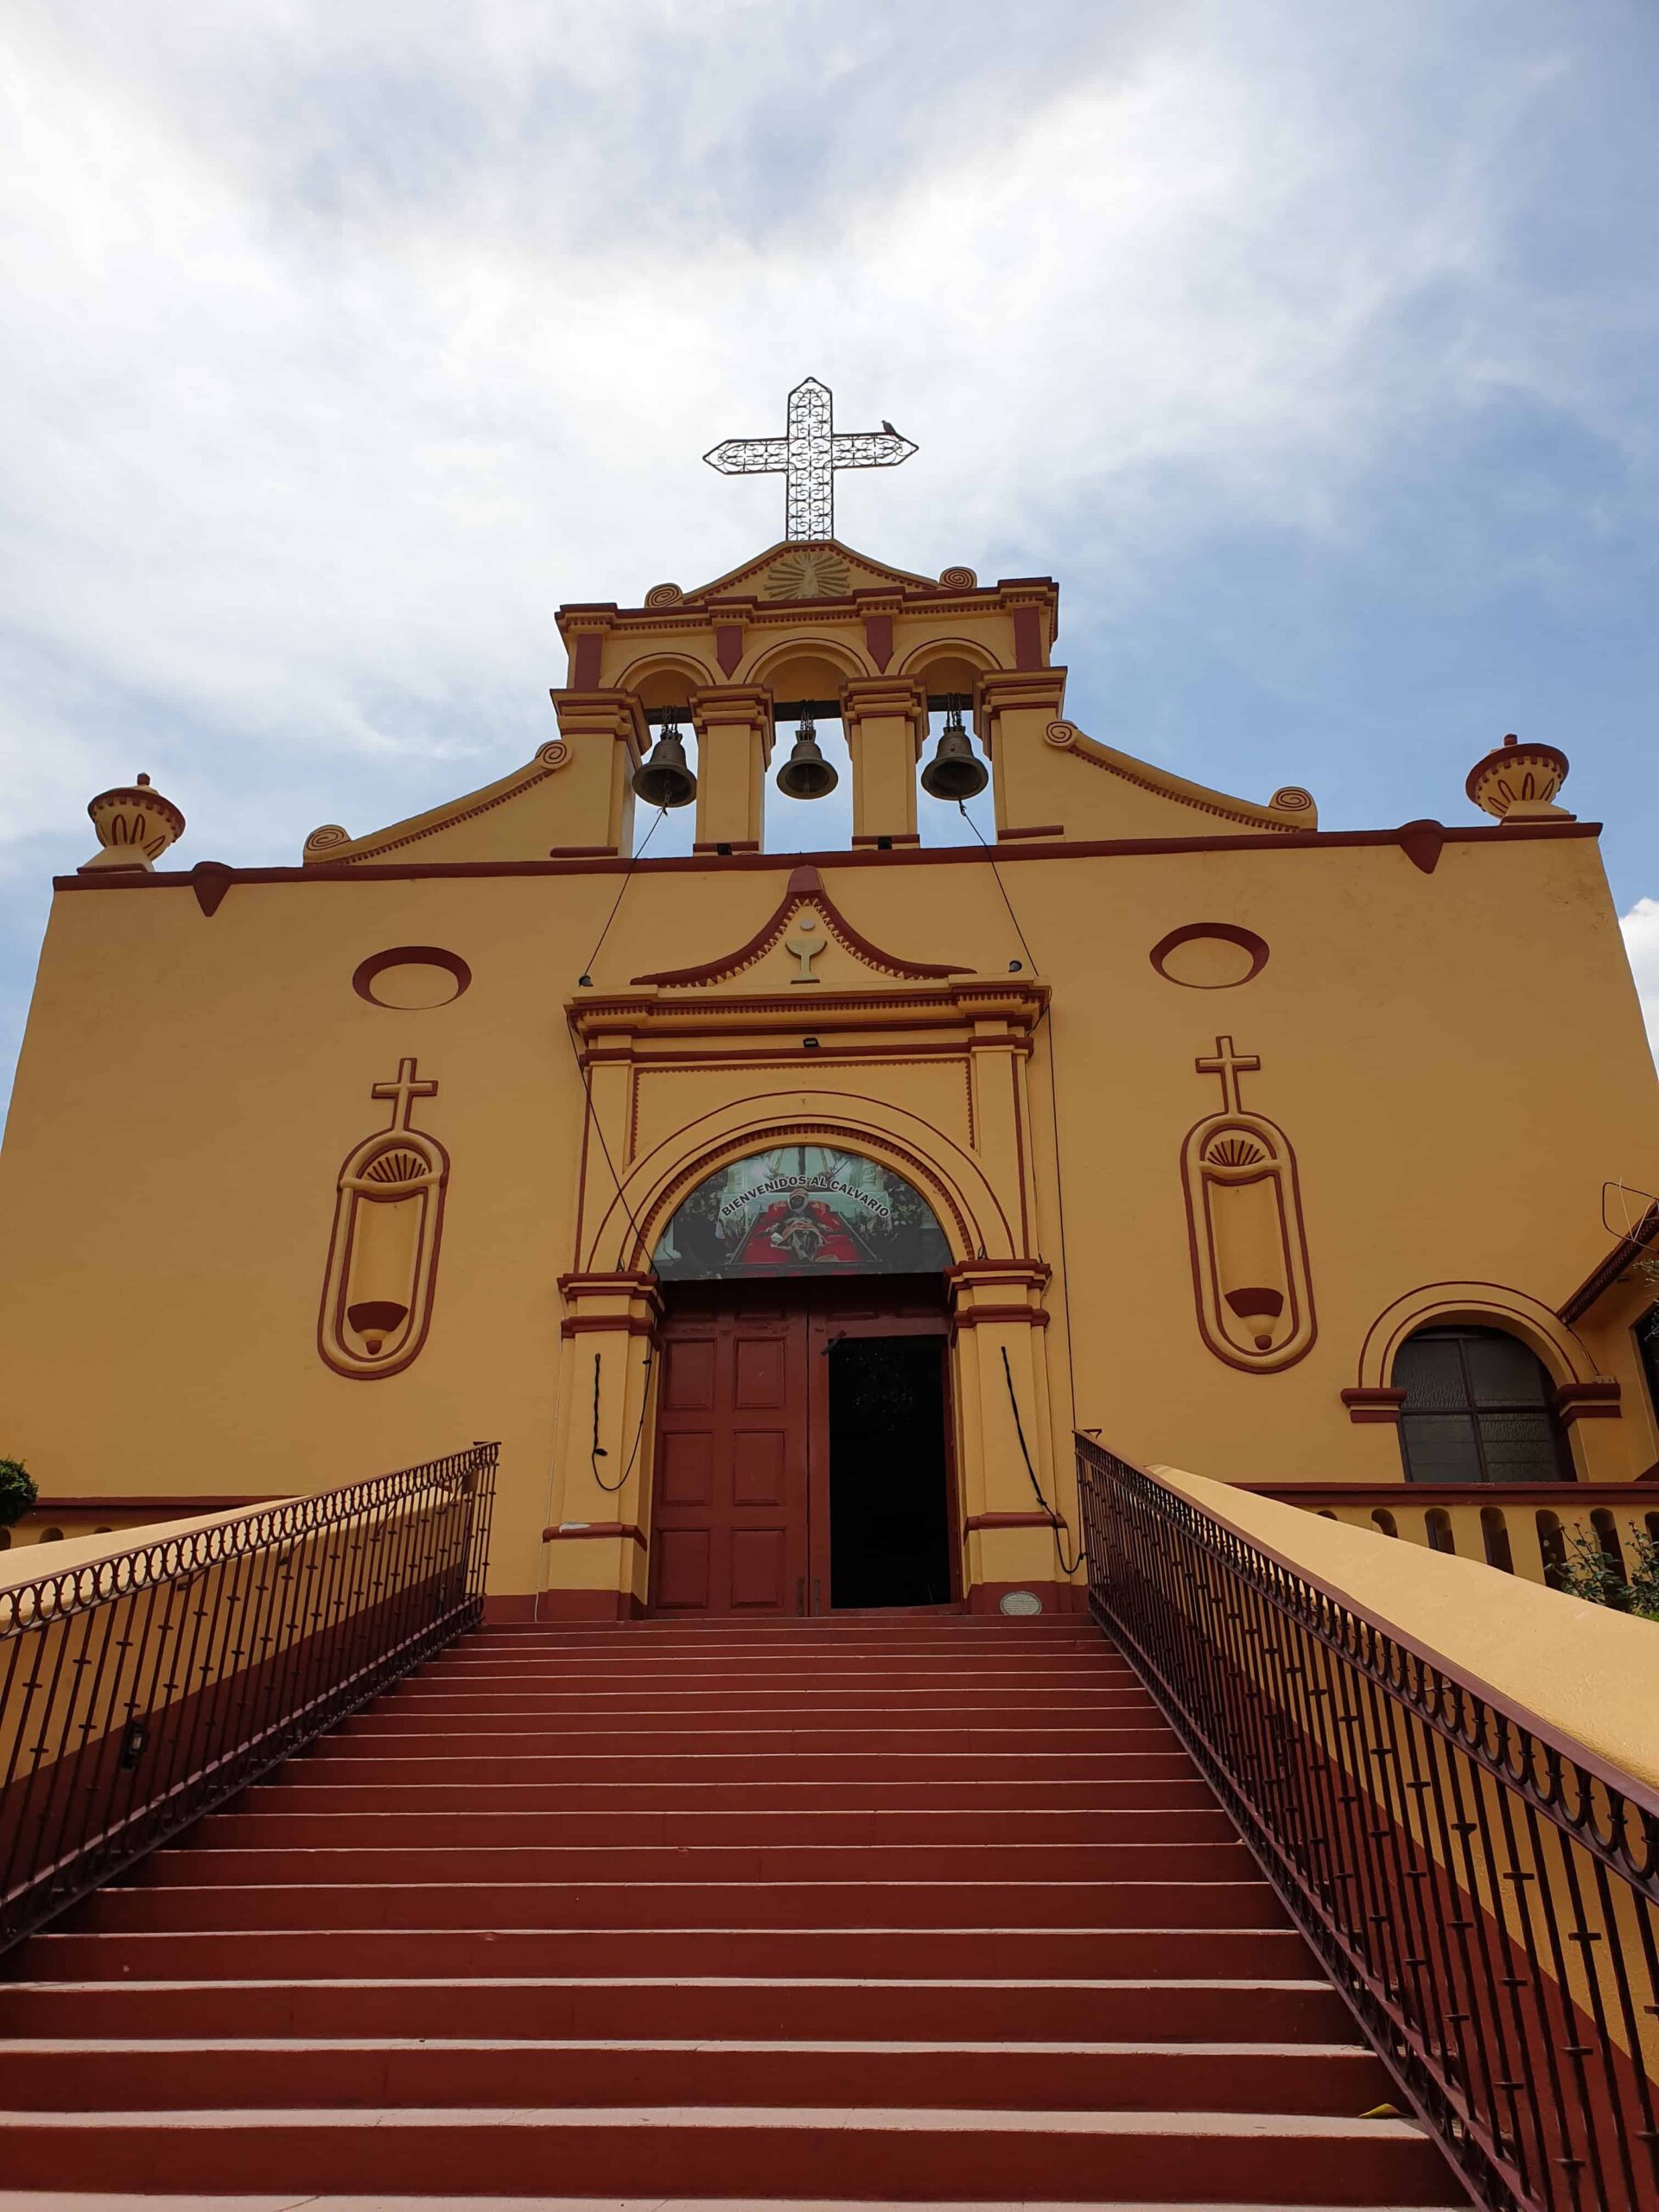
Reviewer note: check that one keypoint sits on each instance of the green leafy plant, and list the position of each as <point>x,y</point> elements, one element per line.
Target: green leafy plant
<point>1589,1572</point>
<point>17,1491</point>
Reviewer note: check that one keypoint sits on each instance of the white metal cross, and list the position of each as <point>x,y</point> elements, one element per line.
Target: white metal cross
<point>809,457</point>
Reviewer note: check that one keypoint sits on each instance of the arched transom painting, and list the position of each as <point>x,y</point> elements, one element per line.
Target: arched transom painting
<point>800,1210</point>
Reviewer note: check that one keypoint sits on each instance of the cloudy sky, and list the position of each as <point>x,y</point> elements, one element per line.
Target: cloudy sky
<point>1312,347</point>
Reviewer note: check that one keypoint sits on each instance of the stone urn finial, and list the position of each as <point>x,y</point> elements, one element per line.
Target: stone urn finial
<point>1518,782</point>
<point>135,827</point>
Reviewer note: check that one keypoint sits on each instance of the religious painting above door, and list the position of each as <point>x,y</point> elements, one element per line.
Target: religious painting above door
<point>800,1210</point>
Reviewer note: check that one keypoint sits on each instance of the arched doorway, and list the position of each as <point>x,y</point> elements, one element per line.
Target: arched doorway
<point>802,1459</point>
<point>1478,1409</point>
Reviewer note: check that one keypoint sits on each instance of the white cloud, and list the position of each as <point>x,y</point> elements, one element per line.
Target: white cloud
<point>346,342</point>
<point>1640,928</point>
<point>339,345</point>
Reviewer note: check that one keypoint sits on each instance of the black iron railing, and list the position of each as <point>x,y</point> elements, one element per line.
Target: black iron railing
<point>1483,1891</point>
<point>142,1689</point>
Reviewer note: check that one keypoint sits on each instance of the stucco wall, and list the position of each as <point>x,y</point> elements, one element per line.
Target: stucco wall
<point>1456,1059</point>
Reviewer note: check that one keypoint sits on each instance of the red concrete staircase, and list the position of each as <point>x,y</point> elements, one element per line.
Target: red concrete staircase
<point>876,1909</point>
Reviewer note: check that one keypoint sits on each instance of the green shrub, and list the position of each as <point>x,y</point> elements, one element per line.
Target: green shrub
<point>1589,1574</point>
<point>17,1492</point>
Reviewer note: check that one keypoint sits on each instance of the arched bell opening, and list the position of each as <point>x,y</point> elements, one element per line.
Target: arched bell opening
<point>955,797</point>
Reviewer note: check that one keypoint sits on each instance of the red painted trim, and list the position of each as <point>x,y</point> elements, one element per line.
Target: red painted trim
<point>878,639</point>
<point>210,880</point>
<point>1364,1405</point>
<point>608,863</point>
<point>1593,1400</point>
<point>1036,1315</point>
<point>889,838</point>
<point>732,845</point>
<point>581,851</point>
<point>1607,1272</point>
<point>1246,940</point>
<point>729,645</point>
<point>1042,829</point>
<point>567,1535</point>
<point>1422,844</point>
<point>584,1324</point>
<point>1027,636</point>
<point>402,956</point>
<point>585,663</point>
<point>805,886</point>
<point>1011,1521</point>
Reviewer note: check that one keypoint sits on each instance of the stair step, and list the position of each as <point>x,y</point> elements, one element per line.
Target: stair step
<point>272,1825</point>
<point>851,1903</point>
<point>358,1762</point>
<point>1242,2012</point>
<point>927,1908</point>
<point>946,1954</point>
<point>305,1785</point>
<point>655,1705</point>
<point>444,1737</point>
<point>395,1865</point>
<point>32,2200</point>
<point>163,2075</point>
<point>979,2157</point>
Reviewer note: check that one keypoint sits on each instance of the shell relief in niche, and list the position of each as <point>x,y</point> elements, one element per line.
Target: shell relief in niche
<point>383,1254</point>
<point>1244,1225</point>
<point>814,572</point>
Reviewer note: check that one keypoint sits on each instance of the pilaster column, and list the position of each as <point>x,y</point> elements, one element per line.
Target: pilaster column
<point>606,734</point>
<point>735,737</point>
<point>597,1537</point>
<point>998,1321</point>
<point>885,718</point>
<point>1013,710</point>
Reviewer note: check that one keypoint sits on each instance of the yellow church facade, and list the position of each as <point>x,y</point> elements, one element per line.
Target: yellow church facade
<point>784,1215</point>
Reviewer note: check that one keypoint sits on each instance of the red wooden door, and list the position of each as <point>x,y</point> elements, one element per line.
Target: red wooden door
<point>730,1511</point>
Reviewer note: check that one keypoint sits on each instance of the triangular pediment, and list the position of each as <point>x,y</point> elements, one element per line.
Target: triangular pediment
<point>807,944</point>
<point>826,569</point>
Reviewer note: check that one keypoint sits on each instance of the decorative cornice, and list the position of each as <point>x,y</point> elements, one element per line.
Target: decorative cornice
<point>1066,737</point>
<point>1607,1272</point>
<point>330,845</point>
<point>805,888</point>
<point>1002,854</point>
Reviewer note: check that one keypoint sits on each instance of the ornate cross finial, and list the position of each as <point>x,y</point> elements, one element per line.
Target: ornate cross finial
<point>405,1091</point>
<point>1228,1065</point>
<point>809,457</point>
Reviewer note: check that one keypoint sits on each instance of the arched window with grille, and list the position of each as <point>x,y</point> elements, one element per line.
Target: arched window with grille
<point>1478,1409</point>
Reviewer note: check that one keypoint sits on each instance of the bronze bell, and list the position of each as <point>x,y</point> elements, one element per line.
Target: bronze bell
<point>955,772</point>
<point>806,773</point>
<point>664,779</point>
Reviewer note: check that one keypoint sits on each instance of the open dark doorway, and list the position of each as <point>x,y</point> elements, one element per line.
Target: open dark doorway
<point>889,1520</point>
